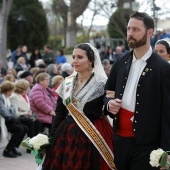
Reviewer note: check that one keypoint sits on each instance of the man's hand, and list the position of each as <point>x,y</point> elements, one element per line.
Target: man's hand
<point>162,168</point>
<point>114,106</point>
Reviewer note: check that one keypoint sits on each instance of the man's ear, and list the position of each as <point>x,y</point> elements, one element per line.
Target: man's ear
<point>150,33</point>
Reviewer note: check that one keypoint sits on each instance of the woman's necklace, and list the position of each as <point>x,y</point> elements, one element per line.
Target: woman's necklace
<point>74,96</point>
<point>84,79</point>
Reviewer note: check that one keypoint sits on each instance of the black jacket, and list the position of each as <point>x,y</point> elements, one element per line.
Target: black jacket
<point>152,110</point>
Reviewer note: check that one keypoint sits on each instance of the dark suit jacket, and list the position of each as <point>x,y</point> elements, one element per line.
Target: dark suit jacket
<point>152,110</point>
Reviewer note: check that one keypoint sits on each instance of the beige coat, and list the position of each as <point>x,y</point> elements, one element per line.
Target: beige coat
<point>20,104</point>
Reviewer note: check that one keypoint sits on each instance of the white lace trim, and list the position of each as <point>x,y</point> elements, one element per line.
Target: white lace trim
<point>93,90</point>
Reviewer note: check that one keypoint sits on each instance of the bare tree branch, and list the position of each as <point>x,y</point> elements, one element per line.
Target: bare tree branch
<point>78,7</point>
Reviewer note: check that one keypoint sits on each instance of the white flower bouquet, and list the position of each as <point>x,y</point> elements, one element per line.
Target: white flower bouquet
<point>158,158</point>
<point>37,146</point>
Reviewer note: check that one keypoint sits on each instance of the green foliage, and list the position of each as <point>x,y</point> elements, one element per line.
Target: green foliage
<point>68,50</point>
<point>32,32</point>
<point>55,42</point>
<point>118,23</point>
<point>82,39</point>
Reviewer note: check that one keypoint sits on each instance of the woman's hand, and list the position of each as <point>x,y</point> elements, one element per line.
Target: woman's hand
<point>110,94</point>
<point>30,113</point>
<point>52,113</point>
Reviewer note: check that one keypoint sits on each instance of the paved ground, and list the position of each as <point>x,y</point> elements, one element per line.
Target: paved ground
<point>24,162</point>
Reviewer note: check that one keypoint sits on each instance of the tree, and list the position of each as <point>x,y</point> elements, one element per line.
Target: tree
<point>96,8</point>
<point>118,23</point>
<point>69,13</point>
<point>120,3</point>
<point>32,32</point>
<point>5,6</point>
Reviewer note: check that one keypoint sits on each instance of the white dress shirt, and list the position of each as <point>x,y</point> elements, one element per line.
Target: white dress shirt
<point>129,95</point>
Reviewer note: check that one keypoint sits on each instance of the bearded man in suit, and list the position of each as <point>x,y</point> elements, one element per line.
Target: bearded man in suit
<point>138,99</point>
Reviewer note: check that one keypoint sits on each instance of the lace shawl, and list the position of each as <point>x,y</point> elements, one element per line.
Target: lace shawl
<point>93,90</point>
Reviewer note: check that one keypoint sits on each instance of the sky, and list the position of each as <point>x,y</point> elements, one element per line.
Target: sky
<point>145,6</point>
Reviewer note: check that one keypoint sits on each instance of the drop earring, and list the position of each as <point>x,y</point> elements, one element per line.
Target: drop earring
<point>90,68</point>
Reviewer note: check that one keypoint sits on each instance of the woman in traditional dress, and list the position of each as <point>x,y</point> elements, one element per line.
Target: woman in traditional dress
<point>81,136</point>
<point>162,47</point>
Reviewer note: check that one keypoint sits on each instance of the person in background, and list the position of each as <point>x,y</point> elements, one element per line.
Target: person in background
<point>59,69</point>
<point>52,70</point>
<point>138,98</point>
<point>21,64</point>
<point>10,78</point>
<point>10,63</point>
<point>8,54</point>
<point>39,62</point>
<point>163,34</point>
<point>19,74</point>
<point>34,72</point>
<point>48,57</point>
<point>2,69</point>
<point>11,71</point>
<point>105,63</point>
<point>124,51</point>
<point>16,54</point>
<point>42,100</point>
<point>107,70</point>
<point>56,81</point>
<point>118,53</point>
<point>60,59</point>
<point>20,101</point>
<point>42,67</point>
<point>66,70</point>
<point>24,53</point>
<point>12,123</point>
<point>34,57</point>
<point>103,53</point>
<point>27,75</point>
<point>162,47</point>
<point>110,55</point>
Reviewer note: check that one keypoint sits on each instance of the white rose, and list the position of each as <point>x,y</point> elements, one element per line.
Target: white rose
<point>154,163</point>
<point>155,157</point>
<point>159,152</point>
<point>38,140</point>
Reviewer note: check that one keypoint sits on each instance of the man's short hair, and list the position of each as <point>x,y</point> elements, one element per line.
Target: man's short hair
<point>25,74</point>
<point>147,20</point>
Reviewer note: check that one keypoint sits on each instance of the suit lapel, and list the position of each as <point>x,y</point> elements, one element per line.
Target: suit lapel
<point>128,64</point>
<point>148,68</point>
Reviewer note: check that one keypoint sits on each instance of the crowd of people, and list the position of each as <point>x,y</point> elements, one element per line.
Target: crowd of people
<point>28,98</point>
<point>72,101</point>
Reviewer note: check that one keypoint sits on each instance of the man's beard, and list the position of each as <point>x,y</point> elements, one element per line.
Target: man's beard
<point>135,43</point>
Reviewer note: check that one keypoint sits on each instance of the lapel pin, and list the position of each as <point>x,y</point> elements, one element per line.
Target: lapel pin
<point>143,73</point>
<point>147,69</point>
